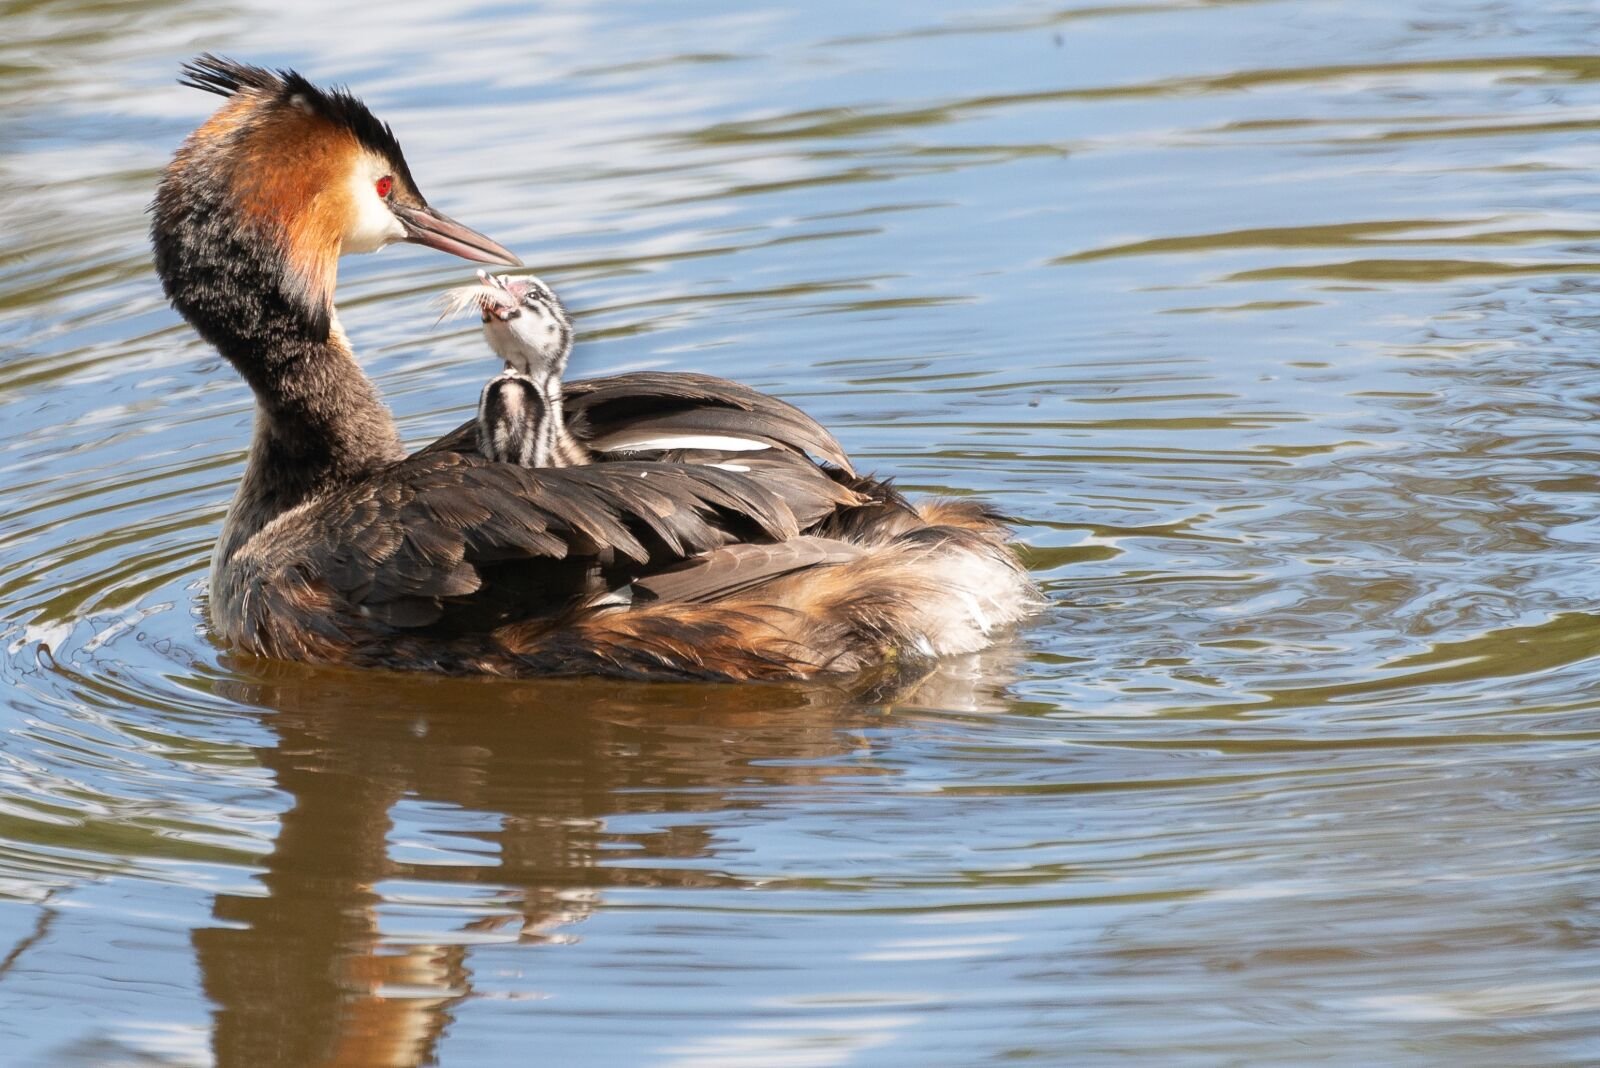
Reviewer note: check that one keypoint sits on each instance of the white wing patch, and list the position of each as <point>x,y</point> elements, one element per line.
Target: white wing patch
<point>721,442</point>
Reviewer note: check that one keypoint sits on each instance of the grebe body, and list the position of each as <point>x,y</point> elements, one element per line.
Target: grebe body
<point>711,531</point>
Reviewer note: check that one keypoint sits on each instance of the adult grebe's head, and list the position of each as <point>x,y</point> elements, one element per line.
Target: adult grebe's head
<point>524,321</point>
<point>287,177</point>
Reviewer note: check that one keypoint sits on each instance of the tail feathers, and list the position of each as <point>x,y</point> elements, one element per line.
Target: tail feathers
<point>935,591</point>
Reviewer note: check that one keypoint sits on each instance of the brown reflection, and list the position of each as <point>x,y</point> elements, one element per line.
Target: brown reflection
<point>303,976</point>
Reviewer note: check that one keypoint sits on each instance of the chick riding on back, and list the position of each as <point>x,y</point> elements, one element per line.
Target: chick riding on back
<point>520,418</point>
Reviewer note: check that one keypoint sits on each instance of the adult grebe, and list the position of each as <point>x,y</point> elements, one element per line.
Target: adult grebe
<point>703,542</point>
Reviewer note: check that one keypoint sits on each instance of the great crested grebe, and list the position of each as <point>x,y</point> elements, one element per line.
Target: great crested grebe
<point>520,414</point>
<point>702,542</point>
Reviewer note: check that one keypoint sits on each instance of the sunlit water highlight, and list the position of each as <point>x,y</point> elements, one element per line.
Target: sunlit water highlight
<point>1273,321</point>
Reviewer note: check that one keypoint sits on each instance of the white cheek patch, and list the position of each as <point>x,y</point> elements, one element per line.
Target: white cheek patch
<point>372,225</point>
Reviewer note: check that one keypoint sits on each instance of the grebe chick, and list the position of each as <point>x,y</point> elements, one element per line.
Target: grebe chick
<point>520,417</point>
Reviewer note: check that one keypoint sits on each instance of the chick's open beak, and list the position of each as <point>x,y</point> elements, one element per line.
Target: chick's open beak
<point>425,226</point>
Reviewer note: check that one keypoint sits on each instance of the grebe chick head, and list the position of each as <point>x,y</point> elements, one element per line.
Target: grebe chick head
<point>279,183</point>
<point>523,320</point>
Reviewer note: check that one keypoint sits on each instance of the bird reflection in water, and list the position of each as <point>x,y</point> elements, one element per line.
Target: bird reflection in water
<point>303,973</point>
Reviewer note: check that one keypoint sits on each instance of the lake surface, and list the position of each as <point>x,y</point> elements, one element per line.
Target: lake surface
<point>1275,324</point>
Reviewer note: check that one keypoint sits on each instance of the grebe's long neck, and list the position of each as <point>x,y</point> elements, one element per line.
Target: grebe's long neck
<point>319,425</point>
<point>319,421</point>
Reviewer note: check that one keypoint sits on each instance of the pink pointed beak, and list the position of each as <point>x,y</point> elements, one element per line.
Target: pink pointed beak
<point>425,226</point>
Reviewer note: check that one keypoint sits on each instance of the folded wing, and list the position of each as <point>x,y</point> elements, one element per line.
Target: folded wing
<point>438,542</point>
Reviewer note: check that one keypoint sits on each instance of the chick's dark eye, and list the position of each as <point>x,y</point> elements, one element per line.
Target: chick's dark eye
<point>385,185</point>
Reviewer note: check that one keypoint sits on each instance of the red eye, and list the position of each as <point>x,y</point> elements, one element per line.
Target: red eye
<point>385,184</point>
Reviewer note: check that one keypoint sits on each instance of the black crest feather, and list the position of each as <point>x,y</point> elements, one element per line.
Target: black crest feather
<point>288,88</point>
<point>225,77</point>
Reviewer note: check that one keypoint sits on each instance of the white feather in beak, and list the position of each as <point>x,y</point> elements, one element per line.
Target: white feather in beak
<point>483,295</point>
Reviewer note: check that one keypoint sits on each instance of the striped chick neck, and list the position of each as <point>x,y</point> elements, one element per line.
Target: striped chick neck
<point>520,421</point>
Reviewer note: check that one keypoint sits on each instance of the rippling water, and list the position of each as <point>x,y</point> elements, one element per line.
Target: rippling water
<point>1274,321</point>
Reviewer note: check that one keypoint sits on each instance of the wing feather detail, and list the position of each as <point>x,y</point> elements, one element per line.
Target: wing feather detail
<point>737,568</point>
<point>610,413</point>
<point>409,546</point>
